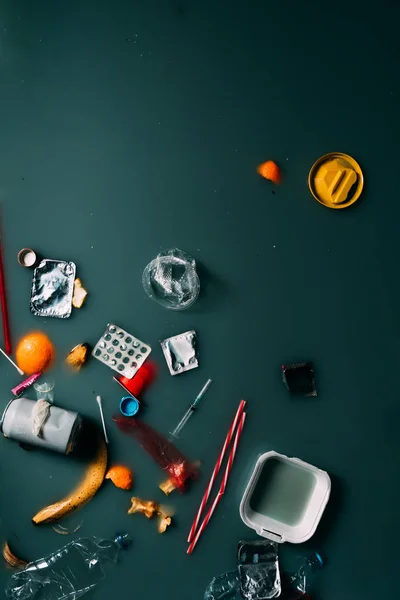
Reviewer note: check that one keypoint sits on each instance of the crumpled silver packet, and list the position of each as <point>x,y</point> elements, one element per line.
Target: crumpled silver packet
<point>171,279</point>
<point>258,568</point>
<point>180,352</point>
<point>52,289</point>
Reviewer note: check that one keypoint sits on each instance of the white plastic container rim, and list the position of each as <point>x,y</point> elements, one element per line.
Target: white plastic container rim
<point>278,531</point>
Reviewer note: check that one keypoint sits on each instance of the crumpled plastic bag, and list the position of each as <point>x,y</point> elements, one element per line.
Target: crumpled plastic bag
<point>171,279</point>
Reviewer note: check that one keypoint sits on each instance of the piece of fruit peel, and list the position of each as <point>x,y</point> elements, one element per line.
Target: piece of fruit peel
<point>121,476</point>
<point>149,508</point>
<point>270,170</point>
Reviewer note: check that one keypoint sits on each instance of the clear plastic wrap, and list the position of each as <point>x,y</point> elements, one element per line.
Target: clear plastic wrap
<point>68,573</point>
<point>224,587</point>
<point>258,569</point>
<point>171,279</point>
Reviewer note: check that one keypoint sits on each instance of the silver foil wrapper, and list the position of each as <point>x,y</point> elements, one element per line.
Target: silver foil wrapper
<point>52,289</point>
<point>180,352</point>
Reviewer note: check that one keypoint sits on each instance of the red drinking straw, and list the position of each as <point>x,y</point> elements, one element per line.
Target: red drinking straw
<point>3,300</point>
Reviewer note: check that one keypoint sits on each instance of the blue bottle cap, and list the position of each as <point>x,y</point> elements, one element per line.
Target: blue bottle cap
<point>129,406</point>
<point>123,539</point>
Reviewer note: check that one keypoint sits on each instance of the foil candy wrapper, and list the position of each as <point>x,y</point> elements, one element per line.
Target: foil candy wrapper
<point>52,289</point>
<point>180,352</point>
<point>19,389</point>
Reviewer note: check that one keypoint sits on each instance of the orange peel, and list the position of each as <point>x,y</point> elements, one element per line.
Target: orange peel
<point>121,476</point>
<point>270,170</point>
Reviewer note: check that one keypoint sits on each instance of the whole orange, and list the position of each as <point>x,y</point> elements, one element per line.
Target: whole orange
<point>34,353</point>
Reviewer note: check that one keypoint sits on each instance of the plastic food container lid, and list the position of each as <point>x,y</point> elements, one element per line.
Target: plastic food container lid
<point>293,500</point>
<point>129,406</point>
<point>336,180</point>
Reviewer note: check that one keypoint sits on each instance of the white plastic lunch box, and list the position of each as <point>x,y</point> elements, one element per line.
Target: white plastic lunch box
<point>285,498</point>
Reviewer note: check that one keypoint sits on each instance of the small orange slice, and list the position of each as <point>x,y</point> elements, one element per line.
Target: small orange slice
<point>121,476</point>
<point>270,170</point>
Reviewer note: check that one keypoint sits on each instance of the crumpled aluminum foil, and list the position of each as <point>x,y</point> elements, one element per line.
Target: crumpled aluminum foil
<point>180,352</point>
<point>171,279</point>
<point>52,289</point>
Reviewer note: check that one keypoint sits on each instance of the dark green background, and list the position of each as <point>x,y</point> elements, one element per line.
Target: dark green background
<point>129,127</point>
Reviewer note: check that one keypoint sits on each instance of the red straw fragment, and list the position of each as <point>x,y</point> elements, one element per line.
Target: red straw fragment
<point>216,469</point>
<point>3,299</point>
<point>222,487</point>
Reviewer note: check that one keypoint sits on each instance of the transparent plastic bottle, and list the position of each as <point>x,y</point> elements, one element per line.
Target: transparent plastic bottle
<point>68,573</point>
<point>225,586</point>
<point>297,585</point>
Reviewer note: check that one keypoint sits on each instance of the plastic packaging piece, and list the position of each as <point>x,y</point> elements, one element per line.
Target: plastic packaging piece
<point>45,389</point>
<point>297,584</point>
<point>19,389</point>
<point>180,352</point>
<point>121,351</point>
<point>129,406</point>
<point>165,454</point>
<point>299,378</point>
<point>175,433</point>
<point>140,382</point>
<point>258,569</point>
<point>285,498</point>
<point>68,573</point>
<point>171,279</point>
<point>224,587</point>
<point>52,289</point>
<point>60,431</point>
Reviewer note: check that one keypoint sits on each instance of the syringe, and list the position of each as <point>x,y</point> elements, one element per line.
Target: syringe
<point>175,433</point>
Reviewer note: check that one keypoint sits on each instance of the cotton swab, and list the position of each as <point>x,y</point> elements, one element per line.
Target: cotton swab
<point>98,400</point>
<point>20,371</point>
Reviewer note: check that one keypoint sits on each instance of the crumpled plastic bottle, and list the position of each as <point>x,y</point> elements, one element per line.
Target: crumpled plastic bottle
<point>68,573</point>
<point>297,584</point>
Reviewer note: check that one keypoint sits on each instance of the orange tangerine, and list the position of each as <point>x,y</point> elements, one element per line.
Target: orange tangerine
<point>34,353</point>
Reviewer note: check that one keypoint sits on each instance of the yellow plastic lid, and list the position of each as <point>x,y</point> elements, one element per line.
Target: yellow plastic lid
<point>336,180</point>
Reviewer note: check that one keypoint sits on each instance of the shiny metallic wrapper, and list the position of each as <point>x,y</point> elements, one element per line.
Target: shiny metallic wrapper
<point>19,389</point>
<point>52,289</point>
<point>180,352</point>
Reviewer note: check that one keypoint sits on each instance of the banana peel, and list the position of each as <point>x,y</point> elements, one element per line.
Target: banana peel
<point>11,559</point>
<point>82,494</point>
